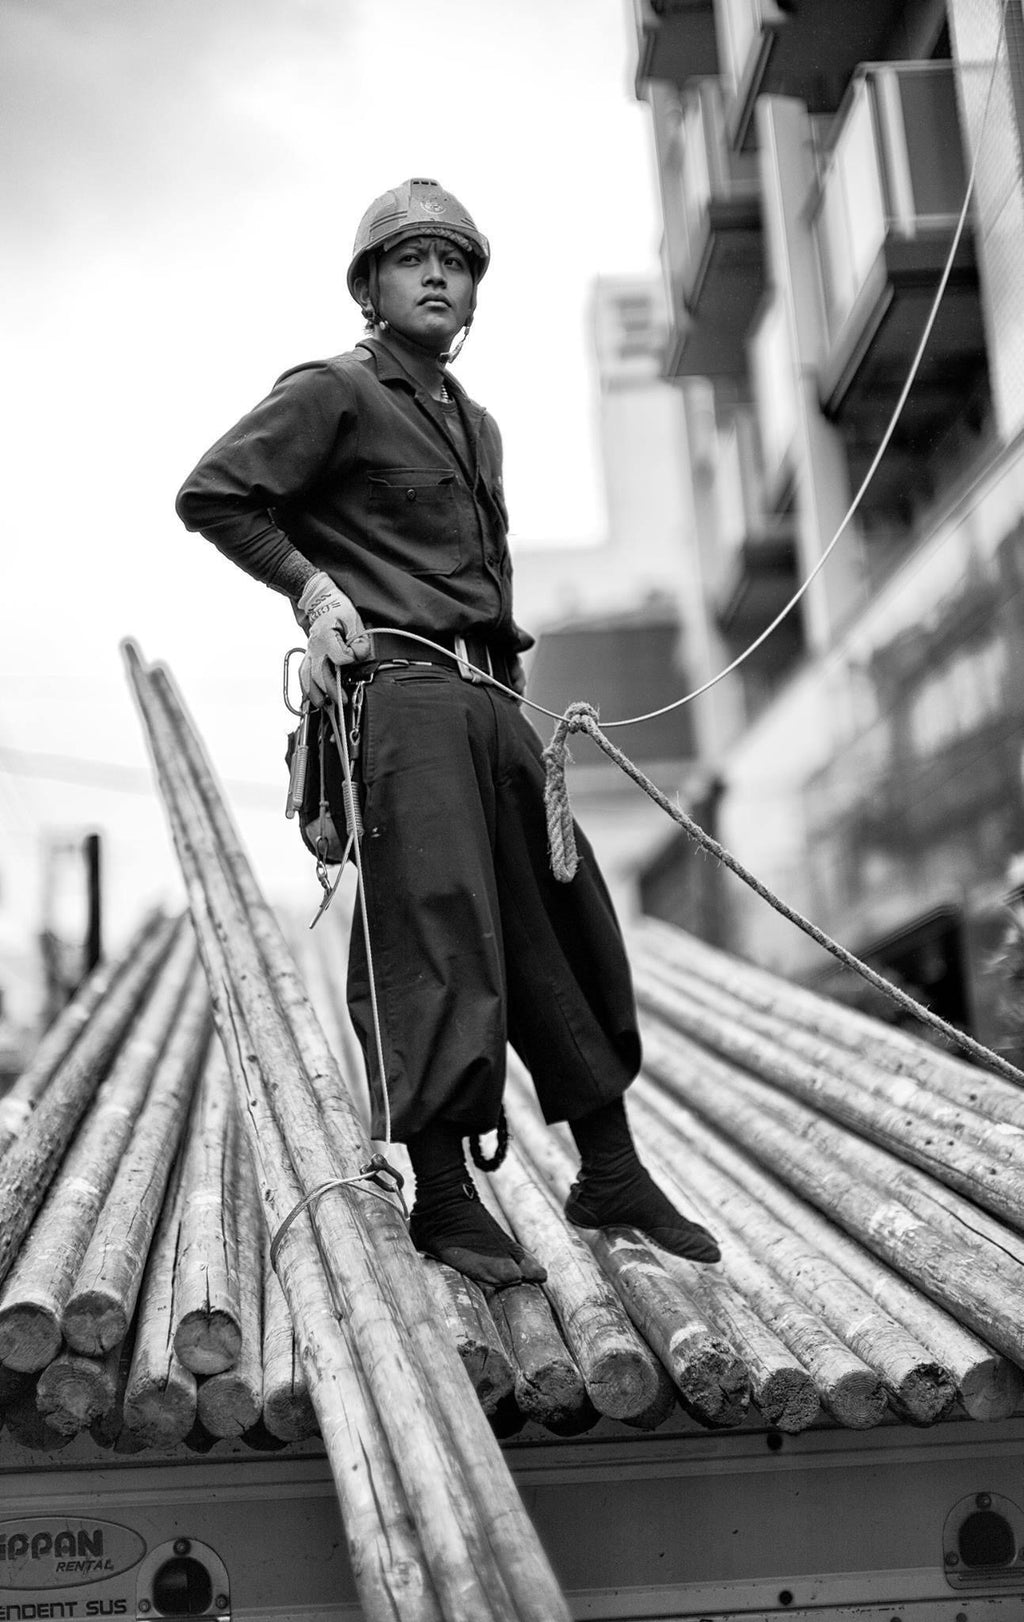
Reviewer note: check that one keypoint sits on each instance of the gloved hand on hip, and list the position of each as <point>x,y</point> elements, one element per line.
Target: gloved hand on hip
<point>336,636</point>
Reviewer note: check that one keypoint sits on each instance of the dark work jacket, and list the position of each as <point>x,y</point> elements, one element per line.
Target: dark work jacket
<point>352,462</point>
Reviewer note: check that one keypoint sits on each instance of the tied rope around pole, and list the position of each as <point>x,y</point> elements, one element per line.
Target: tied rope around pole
<point>582,717</point>
<point>376,1170</point>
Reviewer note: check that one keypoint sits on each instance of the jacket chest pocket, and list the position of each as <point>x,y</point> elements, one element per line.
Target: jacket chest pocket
<point>415,518</point>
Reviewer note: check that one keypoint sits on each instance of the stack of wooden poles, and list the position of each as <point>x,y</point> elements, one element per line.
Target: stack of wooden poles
<point>866,1188</point>
<point>853,1170</point>
<point>434,1525</point>
<point>868,1192</point>
<point>134,1297</point>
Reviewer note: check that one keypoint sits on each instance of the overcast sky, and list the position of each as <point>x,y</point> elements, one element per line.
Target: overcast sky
<point>180,184</point>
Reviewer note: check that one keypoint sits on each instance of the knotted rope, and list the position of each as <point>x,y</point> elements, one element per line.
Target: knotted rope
<point>582,717</point>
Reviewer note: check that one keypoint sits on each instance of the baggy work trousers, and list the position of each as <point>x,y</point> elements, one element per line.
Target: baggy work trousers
<point>474,941</point>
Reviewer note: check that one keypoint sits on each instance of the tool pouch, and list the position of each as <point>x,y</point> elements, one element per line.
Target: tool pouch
<point>316,787</point>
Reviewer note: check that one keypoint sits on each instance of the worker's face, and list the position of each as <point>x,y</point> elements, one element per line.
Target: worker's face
<point>425,290</point>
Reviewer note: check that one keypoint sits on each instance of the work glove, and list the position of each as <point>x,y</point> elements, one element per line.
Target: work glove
<point>336,636</point>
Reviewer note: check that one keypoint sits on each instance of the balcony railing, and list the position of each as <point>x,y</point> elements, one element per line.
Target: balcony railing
<point>808,49</point>
<point>676,41</point>
<point>713,246</point>
<point>756,548</point>
<point>895,171</point>
<point>741,25</point>
<point>890,194</point>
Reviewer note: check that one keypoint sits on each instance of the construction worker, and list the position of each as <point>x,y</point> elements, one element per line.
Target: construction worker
<point>368,490</point>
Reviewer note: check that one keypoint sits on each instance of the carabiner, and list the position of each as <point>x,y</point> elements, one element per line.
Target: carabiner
<point>286,674</point>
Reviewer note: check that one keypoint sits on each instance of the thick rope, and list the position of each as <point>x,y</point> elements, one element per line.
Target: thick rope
<point>582,717</point>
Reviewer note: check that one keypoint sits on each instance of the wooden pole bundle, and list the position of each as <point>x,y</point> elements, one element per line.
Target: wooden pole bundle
<point>42,1278</point>
<point>160,1396</point>
<point>781,1387</point>
<point>34,1155</point>
<point>827,1165</point>
<point>780,1384</point>
<point>483,1556</point>
<point>920,1388</point>
<point>56,1043</point>
<point>709,1376</point>
<point>288,1410</point>
<point>666,950</point>
<point>839,1081</point>
<point>384,1545</point>
<point>621,1375</point>
<point>231,1401</point>
<point>983,1162</point>
<point>102,1302</point>
<point>207,1330</point>
<point>798,1358</point>
<point>624,1379</point>
<point>988,1386</point>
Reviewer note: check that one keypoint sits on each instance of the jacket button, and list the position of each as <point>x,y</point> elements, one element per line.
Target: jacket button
<point>410,495</point>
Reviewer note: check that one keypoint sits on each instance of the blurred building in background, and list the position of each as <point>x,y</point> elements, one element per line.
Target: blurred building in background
<point>609,617</point>
<point>865,762</point>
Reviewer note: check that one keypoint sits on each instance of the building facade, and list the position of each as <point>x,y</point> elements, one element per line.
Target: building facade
<point>608,616</point>
<point>814,159</point>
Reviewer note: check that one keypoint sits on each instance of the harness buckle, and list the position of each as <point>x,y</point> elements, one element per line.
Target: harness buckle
<point>466,670</point>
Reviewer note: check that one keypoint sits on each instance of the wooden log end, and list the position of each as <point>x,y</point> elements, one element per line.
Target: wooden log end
<point>161,1416</point>
<point>924,1395</point>
<point>30,1337</point>
<point>714,1385</point>
<point>73,1391</point>
<point>788,1399</point>
<point>289,1415</point>
<point>549,1387</point>
<point>992,1389</point>
<point>662,1406</point>
<point>94,1323</point>
<point>856,1399</point>
<point>623,1384</point>
<point>550,1392</point>
<point>208,1342</point>
<point>227,1407</point>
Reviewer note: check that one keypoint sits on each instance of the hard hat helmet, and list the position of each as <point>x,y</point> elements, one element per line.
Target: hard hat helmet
<point>416,208</point>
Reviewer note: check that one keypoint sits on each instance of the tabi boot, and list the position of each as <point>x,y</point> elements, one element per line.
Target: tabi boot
<point>615,1190</point>
<point>450,1223</point>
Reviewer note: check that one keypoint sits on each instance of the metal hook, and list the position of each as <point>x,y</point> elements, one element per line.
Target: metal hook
<point>296,709</point>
